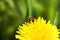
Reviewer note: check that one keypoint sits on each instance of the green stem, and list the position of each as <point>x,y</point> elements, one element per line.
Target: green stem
<point>56,19</point>
<point>30,8</point>
<point>52,10</point>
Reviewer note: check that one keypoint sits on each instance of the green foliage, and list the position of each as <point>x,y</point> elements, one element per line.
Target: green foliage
<point>15,12</point>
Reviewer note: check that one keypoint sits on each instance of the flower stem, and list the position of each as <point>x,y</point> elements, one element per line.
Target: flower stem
<point>30,8</point>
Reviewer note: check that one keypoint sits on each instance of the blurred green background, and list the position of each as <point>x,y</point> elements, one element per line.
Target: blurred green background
<point>15,12</point>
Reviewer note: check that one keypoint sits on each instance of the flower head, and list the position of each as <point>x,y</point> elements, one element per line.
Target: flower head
<point>37,30</point>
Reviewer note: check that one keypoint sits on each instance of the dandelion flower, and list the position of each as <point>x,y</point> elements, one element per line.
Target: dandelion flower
<point>37,30</point>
